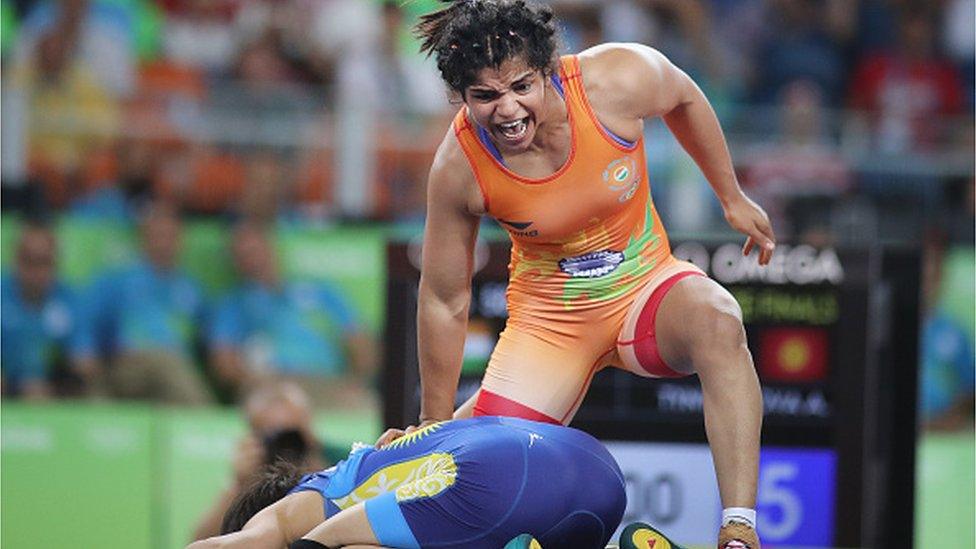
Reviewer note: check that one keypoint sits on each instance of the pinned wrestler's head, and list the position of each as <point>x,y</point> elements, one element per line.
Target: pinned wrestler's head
<point>497,56</point>
<point>274,483</point>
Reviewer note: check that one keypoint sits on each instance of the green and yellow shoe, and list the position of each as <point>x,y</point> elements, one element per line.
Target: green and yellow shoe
<point>644,536</point>
<point>523,541</point>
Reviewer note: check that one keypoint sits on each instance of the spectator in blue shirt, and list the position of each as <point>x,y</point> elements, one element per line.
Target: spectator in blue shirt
<point>269,327</point>
<point>142,321</point>
<point>39,316</point>
<point>948,362</point>
<point>948,374</point>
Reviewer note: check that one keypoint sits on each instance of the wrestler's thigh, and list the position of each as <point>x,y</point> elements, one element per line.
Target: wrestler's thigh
<point>349,527</point>
<point>548,374</point>
<point>695,313</point>
<point>404,520</point>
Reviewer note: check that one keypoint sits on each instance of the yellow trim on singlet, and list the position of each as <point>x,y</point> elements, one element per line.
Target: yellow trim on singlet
<point>425,476</point>
<point>416,435</point>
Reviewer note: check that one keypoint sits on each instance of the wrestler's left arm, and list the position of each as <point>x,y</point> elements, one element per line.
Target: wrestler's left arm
<point>640,82</point>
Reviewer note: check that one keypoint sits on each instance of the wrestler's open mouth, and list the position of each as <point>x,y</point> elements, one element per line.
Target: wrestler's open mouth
<point>515,130</point>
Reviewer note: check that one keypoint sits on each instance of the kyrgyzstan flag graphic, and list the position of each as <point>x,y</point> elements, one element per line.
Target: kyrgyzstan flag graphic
<point>797,355</point>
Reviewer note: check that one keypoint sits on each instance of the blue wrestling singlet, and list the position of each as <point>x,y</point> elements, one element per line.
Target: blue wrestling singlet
<point>477,483</point>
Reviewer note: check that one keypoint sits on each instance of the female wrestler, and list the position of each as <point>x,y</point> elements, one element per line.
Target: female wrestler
<point>552,148</point>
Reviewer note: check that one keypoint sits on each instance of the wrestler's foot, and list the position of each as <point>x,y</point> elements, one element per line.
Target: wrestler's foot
<point>639,535</point>
<point>735,535</point>
<point>523,541</point>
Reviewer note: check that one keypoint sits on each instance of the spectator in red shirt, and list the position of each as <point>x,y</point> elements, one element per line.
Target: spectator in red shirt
<point>910,90</point>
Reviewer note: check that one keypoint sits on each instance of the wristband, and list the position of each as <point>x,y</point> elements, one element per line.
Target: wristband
<point>306,544</point>
<point>742,515</point>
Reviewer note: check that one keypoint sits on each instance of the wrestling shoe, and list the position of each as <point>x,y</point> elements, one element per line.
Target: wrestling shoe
<point>639,535</point>
<point>736,535</point>
<point>523,541</point>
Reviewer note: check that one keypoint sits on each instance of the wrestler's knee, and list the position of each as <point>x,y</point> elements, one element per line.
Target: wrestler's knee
<point>721,326</point>
<point>716,329</point>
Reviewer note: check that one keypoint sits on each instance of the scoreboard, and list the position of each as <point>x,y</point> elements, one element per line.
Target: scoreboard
<point>833,334</point>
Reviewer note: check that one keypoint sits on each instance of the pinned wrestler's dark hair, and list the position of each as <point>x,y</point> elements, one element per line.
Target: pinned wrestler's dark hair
<point>471,35</point>
<point>273,483</point>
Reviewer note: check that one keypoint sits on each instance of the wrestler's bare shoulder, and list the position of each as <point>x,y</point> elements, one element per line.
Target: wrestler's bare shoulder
<point>451,177</point>
<point>622,79</point>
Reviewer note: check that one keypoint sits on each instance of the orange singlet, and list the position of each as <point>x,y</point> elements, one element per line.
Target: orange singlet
<point>588,251</point>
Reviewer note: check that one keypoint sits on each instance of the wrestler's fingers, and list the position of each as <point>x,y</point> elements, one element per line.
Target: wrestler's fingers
<point>765,243</point>
<point>760,234</point>
<point>766,228</point>
<point>749,245</point>
<point>389,436</point>
<point>768,238</point>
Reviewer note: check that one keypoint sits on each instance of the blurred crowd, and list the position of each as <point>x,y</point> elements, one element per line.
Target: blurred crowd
<point>227,107</point>
<point>851,121</point>
<point>147,331</point>
<point>310,111</point>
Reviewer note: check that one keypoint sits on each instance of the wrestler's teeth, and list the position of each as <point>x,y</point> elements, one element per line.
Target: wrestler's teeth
<point>514,129</point>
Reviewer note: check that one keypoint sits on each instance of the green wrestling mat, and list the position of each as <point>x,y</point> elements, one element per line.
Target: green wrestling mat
<point>125,476</point>
<point>140,476</point>
<point>945,505</point>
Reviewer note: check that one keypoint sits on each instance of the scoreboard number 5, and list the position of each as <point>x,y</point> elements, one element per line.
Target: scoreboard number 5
<point>781,509</point>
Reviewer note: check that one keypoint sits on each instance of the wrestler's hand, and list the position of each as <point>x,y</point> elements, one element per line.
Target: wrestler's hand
<point>737,536</point>
<point>750,219</point>
<point>392,434</point>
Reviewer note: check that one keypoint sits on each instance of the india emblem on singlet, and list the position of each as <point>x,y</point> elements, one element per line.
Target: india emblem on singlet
<point>621,177</point>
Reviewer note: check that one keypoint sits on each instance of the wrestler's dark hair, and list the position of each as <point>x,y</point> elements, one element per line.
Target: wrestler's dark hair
<point>272,484</point>
<point>471,35</point>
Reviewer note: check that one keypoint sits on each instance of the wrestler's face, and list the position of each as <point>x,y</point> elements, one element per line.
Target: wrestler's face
<point>508,102</point>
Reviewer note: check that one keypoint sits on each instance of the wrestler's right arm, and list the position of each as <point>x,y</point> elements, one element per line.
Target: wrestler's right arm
<point>273,527</point>
<point>445,281</point>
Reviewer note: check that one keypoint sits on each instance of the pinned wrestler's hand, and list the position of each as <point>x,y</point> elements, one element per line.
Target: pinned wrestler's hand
<point>392,434</point>
<point>736,535</point>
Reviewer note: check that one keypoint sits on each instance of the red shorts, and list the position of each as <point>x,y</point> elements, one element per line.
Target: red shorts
<point>542,371</point>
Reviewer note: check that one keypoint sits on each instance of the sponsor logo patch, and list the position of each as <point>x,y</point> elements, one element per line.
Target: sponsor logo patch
<point>592,265</point>
<point>519,228</point>
<point>517,225</point>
